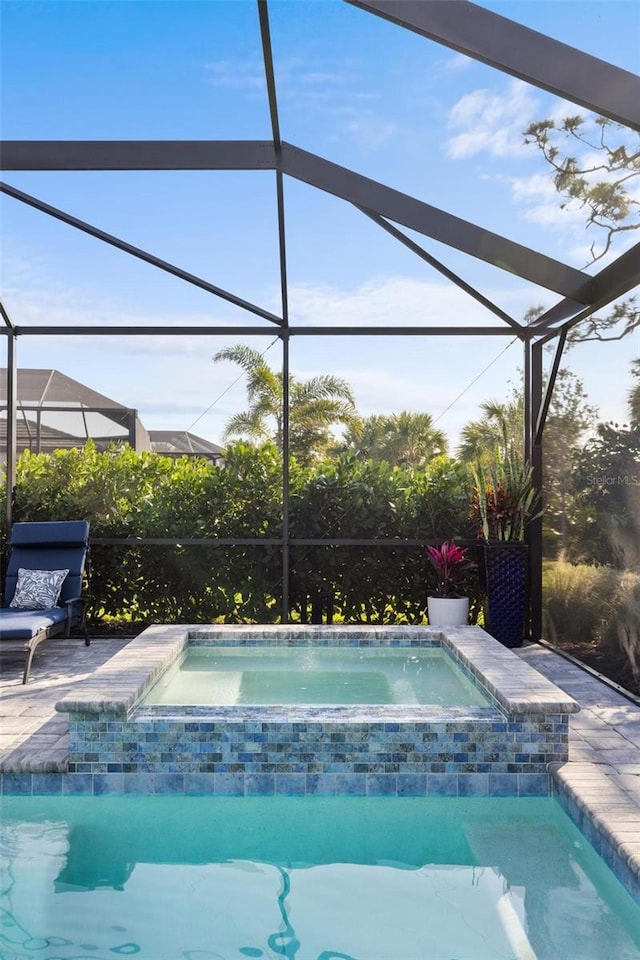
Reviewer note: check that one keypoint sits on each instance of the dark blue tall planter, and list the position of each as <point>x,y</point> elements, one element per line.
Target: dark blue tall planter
<point>506,584</point>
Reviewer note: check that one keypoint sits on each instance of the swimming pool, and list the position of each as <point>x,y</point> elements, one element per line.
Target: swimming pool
<point>217,675</point>
<point>501,745</point>
<point>223,878</point>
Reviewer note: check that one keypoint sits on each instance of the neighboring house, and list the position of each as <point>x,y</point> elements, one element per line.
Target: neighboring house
<point>54,411</point>
<point>180,443</point>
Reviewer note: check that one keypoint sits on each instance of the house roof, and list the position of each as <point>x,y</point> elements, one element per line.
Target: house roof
<point>55,411</point>
<point>51,387</point>
<point>183,442</point>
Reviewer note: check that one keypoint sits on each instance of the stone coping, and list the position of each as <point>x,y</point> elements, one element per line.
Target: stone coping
<point>119,685</point>
<point>608,818</point>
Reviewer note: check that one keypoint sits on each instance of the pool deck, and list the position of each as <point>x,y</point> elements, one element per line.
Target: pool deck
<point>601,779</point>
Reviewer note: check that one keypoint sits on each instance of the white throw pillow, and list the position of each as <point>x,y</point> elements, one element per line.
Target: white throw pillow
<point>37,589</point>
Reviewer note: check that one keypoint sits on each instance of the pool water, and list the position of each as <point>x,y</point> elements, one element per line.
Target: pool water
<point>313,878</point>
<point>315,675</point>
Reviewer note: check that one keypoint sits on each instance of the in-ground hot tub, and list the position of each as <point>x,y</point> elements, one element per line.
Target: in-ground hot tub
<point>309,674</point>
<point>499,745</point>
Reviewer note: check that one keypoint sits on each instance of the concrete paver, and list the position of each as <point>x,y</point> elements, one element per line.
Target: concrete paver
<point>604,734</point>
<point>27,711</point>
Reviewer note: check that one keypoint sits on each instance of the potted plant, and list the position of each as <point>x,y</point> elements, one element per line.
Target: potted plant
<point>446,604</point>
<point>504,502</point>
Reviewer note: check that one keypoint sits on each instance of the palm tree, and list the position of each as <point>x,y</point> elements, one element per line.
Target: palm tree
<point>315,406</point>
<point>479,438</point>
<point>402,439</point>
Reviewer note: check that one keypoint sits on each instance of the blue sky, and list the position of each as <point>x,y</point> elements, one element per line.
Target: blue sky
<point>352,88</point>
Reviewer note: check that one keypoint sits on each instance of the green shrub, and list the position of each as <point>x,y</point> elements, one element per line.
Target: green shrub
<point>124,494</point>
<point>621,634</point>
<point>367,499</point>
<point>593,612</point>
<point>577,601</point>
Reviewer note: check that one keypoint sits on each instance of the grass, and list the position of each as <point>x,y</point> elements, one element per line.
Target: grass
<point>593,612</point>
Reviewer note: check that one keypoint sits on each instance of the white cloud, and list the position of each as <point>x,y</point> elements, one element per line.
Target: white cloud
<point>538,187</point>
<point>542,204</point>
<point>296,78</point>
<point>306,86</point>
<point>321,77</point>
<point>245,75</point>
<point>400,301</point>
<point>458,63</point>
<point>389,374</point>
<point>37,298</point>
<point>368,131</point>
<point>491,122</point>
<point>560,109</point>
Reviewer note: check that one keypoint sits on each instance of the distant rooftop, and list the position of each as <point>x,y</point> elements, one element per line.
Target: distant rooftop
<point>181,442</point>
<point>50,387</point>
<point>56,412</point>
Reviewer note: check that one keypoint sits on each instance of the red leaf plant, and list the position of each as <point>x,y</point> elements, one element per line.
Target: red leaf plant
<point>450,568</point>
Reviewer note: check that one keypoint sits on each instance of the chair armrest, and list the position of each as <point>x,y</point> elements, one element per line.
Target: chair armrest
<point>72,600</point>
<point>82,602</point>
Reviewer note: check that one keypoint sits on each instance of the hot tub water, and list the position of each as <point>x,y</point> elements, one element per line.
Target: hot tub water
<point>313,675</point>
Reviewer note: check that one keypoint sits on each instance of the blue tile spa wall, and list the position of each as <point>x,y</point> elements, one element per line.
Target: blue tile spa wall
<point>470,756</point>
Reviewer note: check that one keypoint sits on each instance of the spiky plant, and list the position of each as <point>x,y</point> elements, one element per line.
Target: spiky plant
<point>504,500</point>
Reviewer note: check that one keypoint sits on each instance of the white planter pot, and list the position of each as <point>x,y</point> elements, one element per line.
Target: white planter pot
<point>448,611</point>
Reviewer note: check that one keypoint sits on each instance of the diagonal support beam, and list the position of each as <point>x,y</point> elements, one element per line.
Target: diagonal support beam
<point>519,51</point>
<point>6,318</point>
<point>548,394</point>
<point>449,274</point>
<point>422,217</point>
<point>267,56</point>
<point>136,252</point>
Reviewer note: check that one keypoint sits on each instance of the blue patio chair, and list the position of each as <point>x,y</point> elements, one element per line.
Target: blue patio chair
<point>43,585</point>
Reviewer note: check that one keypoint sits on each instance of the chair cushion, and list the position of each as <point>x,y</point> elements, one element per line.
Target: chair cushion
<point>25,624</point>
<point>37,589</point>
<point>56,533</point>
